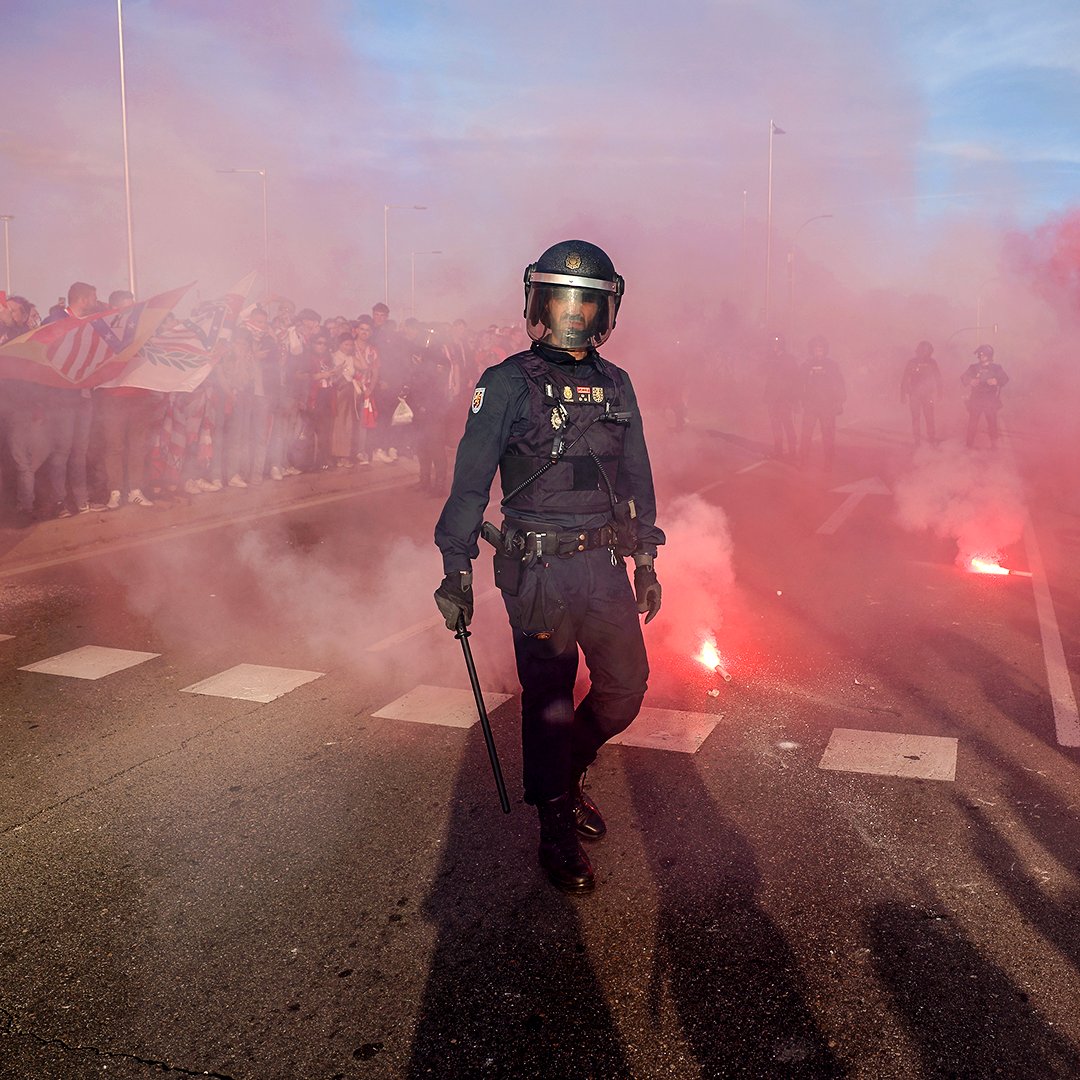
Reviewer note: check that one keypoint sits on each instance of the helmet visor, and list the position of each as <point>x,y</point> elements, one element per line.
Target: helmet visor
<point>569,317</point>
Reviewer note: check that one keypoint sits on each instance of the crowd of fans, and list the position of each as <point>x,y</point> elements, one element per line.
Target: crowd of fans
<point>291,392</point>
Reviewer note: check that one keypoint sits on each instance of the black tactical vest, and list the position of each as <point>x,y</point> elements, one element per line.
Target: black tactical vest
<point>563,422</point>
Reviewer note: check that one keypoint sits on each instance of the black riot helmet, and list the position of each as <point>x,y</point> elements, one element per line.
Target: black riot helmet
<point>572,296</point>
<point>985,350</point>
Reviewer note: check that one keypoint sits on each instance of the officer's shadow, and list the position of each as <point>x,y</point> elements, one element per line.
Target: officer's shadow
<point>510,989</point>
<point>730,974</point>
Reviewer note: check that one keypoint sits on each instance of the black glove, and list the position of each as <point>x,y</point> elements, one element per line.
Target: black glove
<point>647,590</point>
<point>454,597</point>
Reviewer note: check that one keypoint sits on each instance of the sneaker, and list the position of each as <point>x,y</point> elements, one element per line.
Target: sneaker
<point>191,487</point>
<point>84,509</point>
<point>291,470</point>
<point>114,501</point>
<point>276,473</point>
<point>63,512</point>
<point>393,453</point>
<point>237,481</point>
<point>209,485</point>
<point>381,457</point>
<point>137,498</point>
<point>362,459</point>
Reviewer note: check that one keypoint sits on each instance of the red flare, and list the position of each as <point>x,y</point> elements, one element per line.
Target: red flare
<point>979,565</point>
<point>710,656</point>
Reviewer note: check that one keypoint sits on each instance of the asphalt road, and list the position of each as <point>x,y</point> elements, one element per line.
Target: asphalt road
<point>300,888</point>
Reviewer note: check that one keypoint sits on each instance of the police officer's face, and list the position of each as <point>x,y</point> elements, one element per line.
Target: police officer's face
<point>571,311</point>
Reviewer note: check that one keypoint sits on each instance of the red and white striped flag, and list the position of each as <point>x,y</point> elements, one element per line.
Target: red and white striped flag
<point>179,357</point>
<point>76,353</point>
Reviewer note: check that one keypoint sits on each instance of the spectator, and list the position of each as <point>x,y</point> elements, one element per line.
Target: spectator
<point>344,410</point>
<point>366,370</point>
<point>265,395</point>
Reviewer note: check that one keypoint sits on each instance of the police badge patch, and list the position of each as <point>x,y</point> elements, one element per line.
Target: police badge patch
<point>567,393</point>
<point>477,399</point>
<point>598,394</point>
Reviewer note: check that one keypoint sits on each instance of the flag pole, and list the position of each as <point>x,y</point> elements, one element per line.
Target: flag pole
<point>768,229</point>
<point>127,167</point>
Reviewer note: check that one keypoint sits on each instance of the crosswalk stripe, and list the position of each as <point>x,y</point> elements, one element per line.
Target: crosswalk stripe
<point>253,682</point>
<point>90,662</point>
<point>888,753</point>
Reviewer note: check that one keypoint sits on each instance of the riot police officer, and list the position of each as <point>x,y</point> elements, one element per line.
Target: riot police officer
<point>561,425</point>
<point>781,395</point>
<point>919,385</point>
<point>822,393</point>
<point>984,381</point>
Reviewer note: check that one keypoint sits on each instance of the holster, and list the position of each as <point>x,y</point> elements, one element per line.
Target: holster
<point>511,557</point>
<point>624,513</point>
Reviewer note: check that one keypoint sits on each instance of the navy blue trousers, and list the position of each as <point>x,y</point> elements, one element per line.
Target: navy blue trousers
<point>558,740</point>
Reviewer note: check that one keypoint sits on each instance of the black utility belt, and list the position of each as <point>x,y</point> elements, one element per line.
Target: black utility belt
<point>567,542</point>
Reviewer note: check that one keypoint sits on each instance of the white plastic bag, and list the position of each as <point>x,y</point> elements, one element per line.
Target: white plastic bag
<point>402,414</point>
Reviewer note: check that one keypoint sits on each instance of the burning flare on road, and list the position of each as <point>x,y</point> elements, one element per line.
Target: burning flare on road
<point>978,565</point>
<point>709,655</point>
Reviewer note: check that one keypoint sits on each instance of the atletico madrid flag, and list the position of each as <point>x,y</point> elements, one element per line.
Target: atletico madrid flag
<point>76,353</point>
<point>179,357</point>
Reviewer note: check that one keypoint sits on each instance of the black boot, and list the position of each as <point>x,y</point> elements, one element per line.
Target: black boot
<point>587,818</point>
<point>561,856</point>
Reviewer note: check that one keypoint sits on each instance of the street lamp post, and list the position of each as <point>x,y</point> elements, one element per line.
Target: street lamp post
<point>266,221</point>
<point>412,297</point>
<point>127,166</point>
<point>979,303</point>
<point>791,262</point>
<point>5,218</point>
<point>387,207</point>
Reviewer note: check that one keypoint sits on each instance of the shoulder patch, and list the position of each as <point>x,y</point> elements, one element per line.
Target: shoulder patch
<point>477,399</point>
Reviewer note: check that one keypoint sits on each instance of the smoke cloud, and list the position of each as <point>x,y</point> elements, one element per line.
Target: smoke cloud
<point>974,499</point>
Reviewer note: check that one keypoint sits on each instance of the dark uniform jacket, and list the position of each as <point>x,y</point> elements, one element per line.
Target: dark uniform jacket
<point>520,411</point>
<point>921,379</point>
<point>822,389</point>
<point>980,393</point>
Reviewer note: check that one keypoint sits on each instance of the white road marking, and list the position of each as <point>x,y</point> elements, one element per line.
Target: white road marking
<point>748,468</point>
<point>887,753</point>
<point>668,729</point>
<point>1066,718</point>
<point>6,637</point>
<point>856,492</point>
<point>90,662</point>
<point>174,532</point>
<point>724,479</point>
<point>439,705</point>
<point>252,682</point>
<point>424,625</point>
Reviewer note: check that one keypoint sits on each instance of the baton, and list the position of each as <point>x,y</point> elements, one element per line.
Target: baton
<point>463,636</point>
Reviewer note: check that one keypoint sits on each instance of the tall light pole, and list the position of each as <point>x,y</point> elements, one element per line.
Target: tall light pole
<point>773,131</point>
<point>412,298</point>
<point>266,221</point>
<point>127,166</point>
<point>791,262</point>
<point>979,304</point>
<point>386,244</point>
<point>5,218</point>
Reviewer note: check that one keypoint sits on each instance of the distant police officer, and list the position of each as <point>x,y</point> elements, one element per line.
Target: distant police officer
<point>984,380</point>
<point>781,395</point>
<point>562,426</point>
<point>919,385</point>
<point>822,392</point>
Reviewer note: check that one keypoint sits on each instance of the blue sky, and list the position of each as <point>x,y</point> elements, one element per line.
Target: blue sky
<point>926,131</point>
